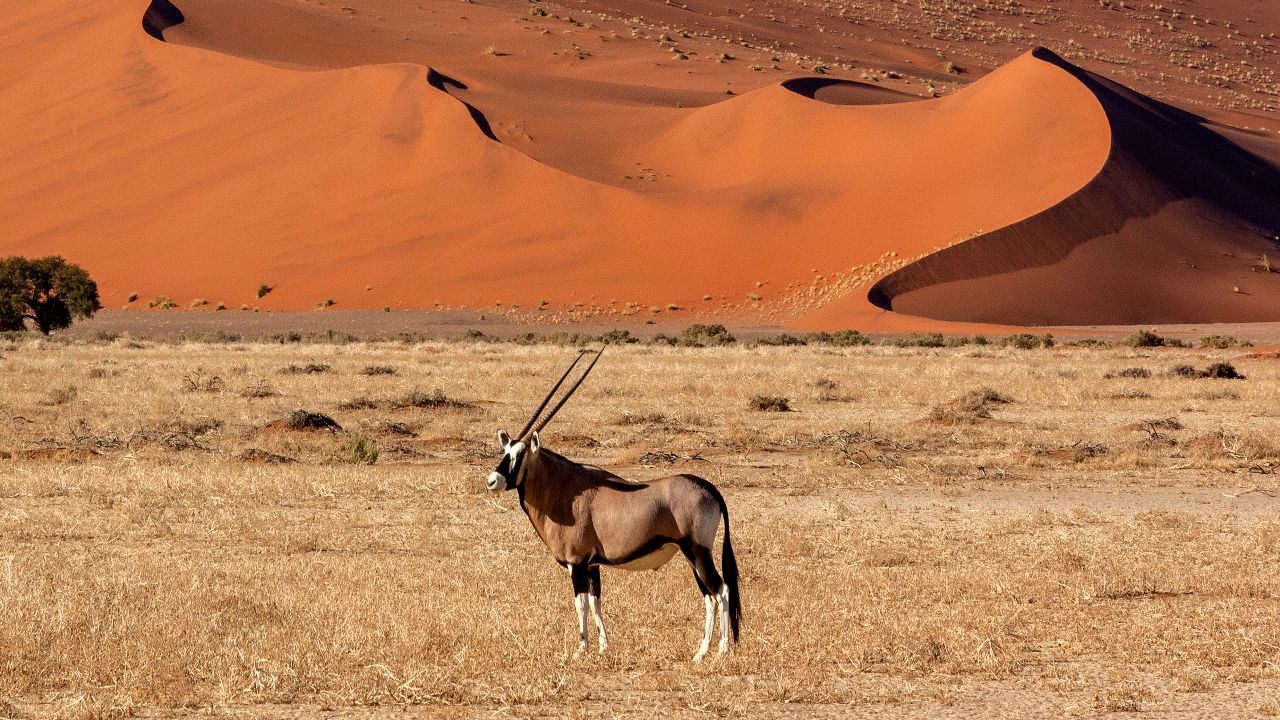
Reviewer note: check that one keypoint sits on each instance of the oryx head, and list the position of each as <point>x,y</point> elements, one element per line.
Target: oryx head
<point>507,474</point>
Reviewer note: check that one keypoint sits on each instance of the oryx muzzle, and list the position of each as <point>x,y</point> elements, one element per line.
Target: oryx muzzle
<point>589,517</point>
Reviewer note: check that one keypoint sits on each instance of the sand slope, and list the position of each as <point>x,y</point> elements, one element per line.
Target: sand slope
<point>410,170</point>
<point>1173,229</point>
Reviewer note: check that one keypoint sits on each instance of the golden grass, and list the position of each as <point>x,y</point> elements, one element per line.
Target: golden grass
<point>1052,550</point>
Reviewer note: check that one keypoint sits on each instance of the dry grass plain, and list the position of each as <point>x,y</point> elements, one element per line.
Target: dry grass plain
<point>1058,558</point>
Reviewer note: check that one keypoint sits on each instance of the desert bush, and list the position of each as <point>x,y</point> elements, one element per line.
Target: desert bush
<point>698,335</point>
<point>1218,370</point>
<point>1222,371</point>
<point>286,338</point>
<point>841,338</point>
<point>1027,341</point>
<point>307,369</point>
<point>259,389</point>
<point>260,456</point>
<point>928,340</point>
<point>769,403</point>
<point>264,290</point>
<point>478,336</point>
<point>618,336</point>
<point>1087,342</point>
<point>307,420</point>
<point>435,399</point>
<point>360,403</point>
<point>372,370</point>
<point>162,302</point>
<point>357,449</point>
<point>209,337</point>
<point>1146,338</point>
<point>60,395</point>
<point>780,340</point>
<point>332,337</point>
<point>968,408</point>
<point>1222,342</point>
<point>196,381</point>
<point>1131,372</point>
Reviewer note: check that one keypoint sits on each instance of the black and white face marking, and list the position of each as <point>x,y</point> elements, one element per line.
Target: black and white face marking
<point>504,476</point>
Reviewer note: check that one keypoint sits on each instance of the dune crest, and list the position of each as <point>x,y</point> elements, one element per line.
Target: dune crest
<point>1173,229</point>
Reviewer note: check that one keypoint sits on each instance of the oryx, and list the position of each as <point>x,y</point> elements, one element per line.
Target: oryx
<point>590,518</point>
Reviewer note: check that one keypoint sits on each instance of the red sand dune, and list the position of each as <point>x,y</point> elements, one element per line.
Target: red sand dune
<point>377,159</point>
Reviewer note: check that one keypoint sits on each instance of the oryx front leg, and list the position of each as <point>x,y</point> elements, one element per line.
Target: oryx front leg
<point>578,573</point>
<point>710,601</point>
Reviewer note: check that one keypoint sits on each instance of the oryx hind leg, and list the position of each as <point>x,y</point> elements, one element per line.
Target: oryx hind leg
<point>593,577</point>
<point>711,585</point>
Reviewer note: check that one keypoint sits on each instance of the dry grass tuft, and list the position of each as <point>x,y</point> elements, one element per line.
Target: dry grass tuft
<point>969,408</point>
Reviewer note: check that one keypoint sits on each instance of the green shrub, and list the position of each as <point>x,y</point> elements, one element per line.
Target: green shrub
<point>1222,371</point>
<point>841,338</point>
<point>1222,342</point>
<point>929,340</point>
<point>1133,372</point>
<point>618,336</point>
<point>698,335</point>
<point>478,336</point>
<point>357,449</point>
<point>1146,338</point>
<point>781,340</point>
<point>1027,341</point>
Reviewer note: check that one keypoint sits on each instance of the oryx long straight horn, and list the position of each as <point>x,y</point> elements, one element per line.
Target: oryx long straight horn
<point>547,399</point>
<point>569,394</point>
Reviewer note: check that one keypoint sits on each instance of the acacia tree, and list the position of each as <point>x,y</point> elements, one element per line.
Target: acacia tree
<point>48,291</point>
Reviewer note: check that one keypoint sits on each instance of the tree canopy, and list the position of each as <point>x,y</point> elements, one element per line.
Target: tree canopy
<point>48,291</point>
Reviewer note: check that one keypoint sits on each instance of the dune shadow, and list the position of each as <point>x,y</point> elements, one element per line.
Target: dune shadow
<point>160,16</point>
<point>835,91</point>
<point>443,82</point>
<point>1160,156</point>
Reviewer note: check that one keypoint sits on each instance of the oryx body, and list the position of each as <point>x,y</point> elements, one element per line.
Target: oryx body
<point>589,518</point>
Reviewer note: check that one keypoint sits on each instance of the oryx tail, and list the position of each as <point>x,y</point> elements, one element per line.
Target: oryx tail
<point>728,566</point>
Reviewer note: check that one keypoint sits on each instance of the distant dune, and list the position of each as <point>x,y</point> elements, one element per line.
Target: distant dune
<point>1173,229</point>
<point>455,157</point>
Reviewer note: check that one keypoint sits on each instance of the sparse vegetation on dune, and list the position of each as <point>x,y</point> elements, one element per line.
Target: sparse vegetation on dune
<point>226,546</point>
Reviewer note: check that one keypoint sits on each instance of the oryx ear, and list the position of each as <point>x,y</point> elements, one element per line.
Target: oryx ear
<point>503,438</point>
<point>535,441</point>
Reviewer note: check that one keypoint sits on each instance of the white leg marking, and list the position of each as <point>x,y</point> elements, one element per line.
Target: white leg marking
<point>601,639</point>
<point>710,602</point>
<point>580,604</point>
<point>724,618</point>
